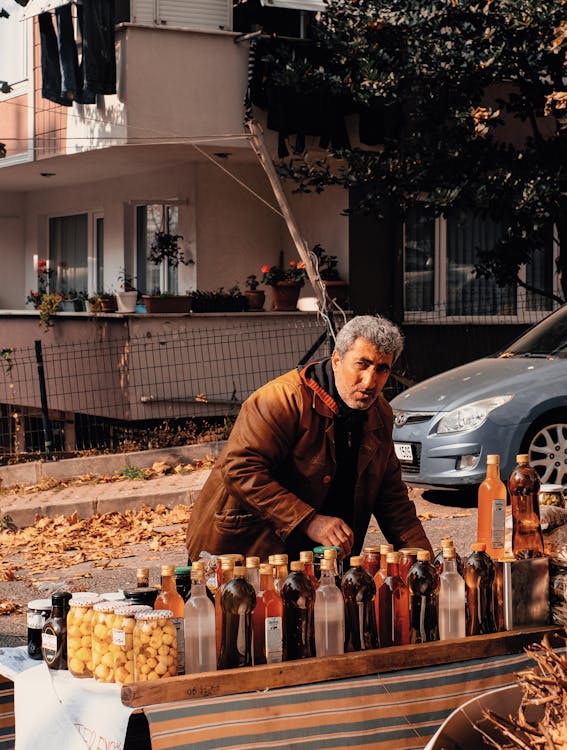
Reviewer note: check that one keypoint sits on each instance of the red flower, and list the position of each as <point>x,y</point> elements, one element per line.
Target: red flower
<point>265,268</point>
<point>293,263</point>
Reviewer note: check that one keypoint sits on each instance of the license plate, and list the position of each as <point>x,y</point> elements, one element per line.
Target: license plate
<point>403,451</point>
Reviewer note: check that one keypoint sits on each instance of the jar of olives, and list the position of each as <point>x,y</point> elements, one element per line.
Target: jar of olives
<point>122,647</point>
<point>79,636</point>
<point>155,645</point>
<point>102,624</point>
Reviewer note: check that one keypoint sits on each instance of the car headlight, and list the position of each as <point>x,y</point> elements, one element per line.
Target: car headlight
<point>470,416</point>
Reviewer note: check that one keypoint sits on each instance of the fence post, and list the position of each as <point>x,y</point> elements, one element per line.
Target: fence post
<point>47,433</point>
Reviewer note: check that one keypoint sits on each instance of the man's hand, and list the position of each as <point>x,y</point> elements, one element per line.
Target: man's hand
<point>330,532</point>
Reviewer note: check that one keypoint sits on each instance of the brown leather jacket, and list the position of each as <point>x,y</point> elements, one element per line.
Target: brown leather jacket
<point>277,467</point>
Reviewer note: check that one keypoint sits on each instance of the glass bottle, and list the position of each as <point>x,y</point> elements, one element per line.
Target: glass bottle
<point>253,572</point>
<point>298,600</point>
<point>332,554</point>
<point>54,633</point>
<point>329,614</point>
<point>446,541</point>
<point>319,554</point>
<point>227,572</point>
<point>267,620</point>
<point>359,591</point>
<point>281,570</point>
<point>408,555</point>
<point>238,600</point>
<point>479,579</point>
<point>200,641</point>
<point>393,607</point>
<point>527,539</point>
<point>491,527</point>
<point>452,621</point>
<point>423,585</point>
<point>371,560</point>
<point>183,581</point>
<point>306,557</point>
<point>142,578</point>
<point>169,598</point>
<point>200,565</point>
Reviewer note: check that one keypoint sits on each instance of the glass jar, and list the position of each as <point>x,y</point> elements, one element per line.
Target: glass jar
<point>39,611</point>
<point>155,646</point>
<point>79,636</point>
<point>146,595</point>
<point>102,624</point>
<point>122,648</point>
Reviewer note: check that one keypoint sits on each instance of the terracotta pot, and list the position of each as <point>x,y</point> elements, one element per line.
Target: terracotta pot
<point>255,299</point>
<point>176,304</point>
<point>286,294</point>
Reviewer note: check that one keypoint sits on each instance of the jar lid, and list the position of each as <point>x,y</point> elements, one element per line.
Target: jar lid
<point>321,550</point>
<point>184,570</point>
<point>142,591</point>
<point>84,601</point>
<point>39,604</point>
<point>105,607</point>
<point>551,488</point>
<point>130,610</point>
<point>154,614</point>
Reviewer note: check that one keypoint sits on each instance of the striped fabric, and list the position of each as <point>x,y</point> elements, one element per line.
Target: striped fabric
<point>7,734</point>
<point>399,711</point>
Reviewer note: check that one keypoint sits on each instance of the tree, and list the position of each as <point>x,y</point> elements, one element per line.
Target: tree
<point>467,102</point>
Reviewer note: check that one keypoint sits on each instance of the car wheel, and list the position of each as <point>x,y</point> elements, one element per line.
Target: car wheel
<point>546,446</point>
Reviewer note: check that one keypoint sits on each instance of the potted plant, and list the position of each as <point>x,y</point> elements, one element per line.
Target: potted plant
<point>127,296</point>
<point>49,305</point>
<point>218,301</point>
<point>336,288</point>
<point>255,297</point>
<point>165,248</point>
<point>286,284</point>
<point>71,301</point>
<point>102,302</point>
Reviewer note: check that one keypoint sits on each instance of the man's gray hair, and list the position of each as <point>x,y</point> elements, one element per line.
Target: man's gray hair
<point>385,335</point>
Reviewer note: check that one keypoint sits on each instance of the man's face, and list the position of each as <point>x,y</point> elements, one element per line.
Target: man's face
<point>361,374</point>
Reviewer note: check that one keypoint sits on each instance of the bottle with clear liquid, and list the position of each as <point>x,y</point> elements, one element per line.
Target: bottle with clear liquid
<point>281,570</point>
<point>452,620</point>
<point>298,598</point>
<point>329,614</point>
<point>527,539</point>
<point>200,646</point>
<point>169,598</point>
<point>359,592</point>
<point>479,579</point>
<point>423,585</point>
<point>238,600</point>
<point>267,620</point>
<point>492,495</point>
<point>393,606</point>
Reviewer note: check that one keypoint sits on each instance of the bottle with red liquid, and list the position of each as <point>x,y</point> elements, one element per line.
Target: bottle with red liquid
<point>238,600</point>
<point>479,579</point>
<point>306,557</point>
<point>524,484</point>
<point>267,620</point>
<point>298,599</point>
<point>393,607</point>
<point>359,592</point>
<point>281,570</point>
<point>423,585</point>
<point>371,560</point>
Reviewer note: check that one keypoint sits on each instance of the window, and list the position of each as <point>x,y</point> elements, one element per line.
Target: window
<point>13,43</point>
<point>439,278</point>
<point>68,253</point>
<point>150,219</point>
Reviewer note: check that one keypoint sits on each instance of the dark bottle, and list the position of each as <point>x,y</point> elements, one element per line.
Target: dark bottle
<point>183,582</point>
<point>54,633</point>
<point>523,484</point>
<point>298,602</point>
<point>393,607</point>
<point>438,561</point>
<point>479,579</point>
<point>238,600</point>
<point>423,585</point>
<point>359,592</point>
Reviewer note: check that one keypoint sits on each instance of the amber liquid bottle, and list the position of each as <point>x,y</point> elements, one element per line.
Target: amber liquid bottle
<point>169,598</point>
<point>527,539</point>
<point>491,529</point>
<point>423,585</point>
<point>227,572</point>
<point>359,592</point>
<point>479,579</point>
<point>393,607</point>
<point>306,557</point>
<point>267,620</point>
<point>238,601</point>
<point>298,599</point>
<point>54,633</point>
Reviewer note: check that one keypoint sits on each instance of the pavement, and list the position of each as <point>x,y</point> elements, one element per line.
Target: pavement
<point>442,514</point>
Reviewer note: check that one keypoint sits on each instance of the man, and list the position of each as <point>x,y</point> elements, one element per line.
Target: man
<point>311,458</point>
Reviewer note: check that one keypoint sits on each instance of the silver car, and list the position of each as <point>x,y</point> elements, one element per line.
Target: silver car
<point>509,403</point>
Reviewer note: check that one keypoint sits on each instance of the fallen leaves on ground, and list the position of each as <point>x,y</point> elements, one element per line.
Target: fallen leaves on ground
<point>9,608</point>
<point>56,543</point>
<point>425,516</point>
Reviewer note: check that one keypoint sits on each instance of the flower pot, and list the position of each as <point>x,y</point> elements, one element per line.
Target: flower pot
<point>126,301</point>
<point>286,294</point>
<point>174,304</point>
<point>256,299</point>
<point>71,305</point>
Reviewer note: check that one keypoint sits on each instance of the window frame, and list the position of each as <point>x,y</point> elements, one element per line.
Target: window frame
<point>93,259</point>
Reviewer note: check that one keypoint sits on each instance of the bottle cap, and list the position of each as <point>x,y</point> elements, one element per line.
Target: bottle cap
<point>183,570</point>
<point>239,571</point>
<point>385,548</point>
<point>252,562</point>
<point>423,555</point>
<point>227,565</point>
<point>168,570</point>
<point>522,458</point>
<point>234,558</point>
<point>280,559</point>
<point>355,561</point>
<point>371,551</point>
<point>493,458</point>
<point>478,547</point>
<point>197,574</point>
<point>330,553</point>
<point>266,569</point>
<point>392,557</point>
<point>198,565</point>
<point>297,566</point>
<point>306,556</point>
<point>327,565</point>
<point>446,543</point>
<point>143,572</point>
<point>60,597</point>
<point>409,550</point>
<point>449,553</point>
<point>272,560</point>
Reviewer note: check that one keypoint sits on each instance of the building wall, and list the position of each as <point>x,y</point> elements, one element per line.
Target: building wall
<point>12,213</point>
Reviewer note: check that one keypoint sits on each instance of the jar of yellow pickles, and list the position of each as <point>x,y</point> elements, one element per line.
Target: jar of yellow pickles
<point>155,645</point>
<point>122,647</point>
<point>102,624</point>
<point>79,636</point>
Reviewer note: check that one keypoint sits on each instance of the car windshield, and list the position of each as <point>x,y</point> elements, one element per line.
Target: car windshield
<point>545,339</point>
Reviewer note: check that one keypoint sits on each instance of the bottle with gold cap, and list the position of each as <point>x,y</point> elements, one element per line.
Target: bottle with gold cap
<point>227,572</point>
<point>359,591</point>
<point>393,606</point>
<point>479,579</point>
<point>200,639</point>
<point>451,598</point>
<point>306,558</point>
<point>169,598</point>
<point>371,560</point>
<point>492,495</point>
<point>380,575</point>
<point>281,570</point>
<point>253,572</point>
<point>423,585</point>
<point>524,484</point>
<point>298,600</point>
<point>329,614</point>
<point>267,619</point>
<point>238,600</point>
<point>439,558</point>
